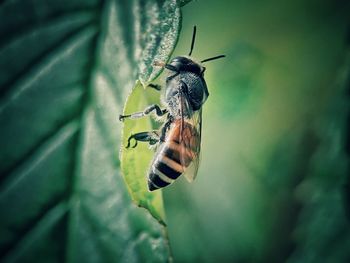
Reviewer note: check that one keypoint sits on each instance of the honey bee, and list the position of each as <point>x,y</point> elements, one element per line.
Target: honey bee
<point>179,138</point>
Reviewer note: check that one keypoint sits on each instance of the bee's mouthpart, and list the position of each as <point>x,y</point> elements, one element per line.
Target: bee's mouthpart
<point>159,64</point>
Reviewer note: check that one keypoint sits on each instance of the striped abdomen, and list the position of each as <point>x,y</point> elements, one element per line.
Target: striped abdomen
<point>173,156</point>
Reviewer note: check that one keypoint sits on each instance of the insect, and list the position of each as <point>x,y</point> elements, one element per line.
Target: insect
<point>179,138</point>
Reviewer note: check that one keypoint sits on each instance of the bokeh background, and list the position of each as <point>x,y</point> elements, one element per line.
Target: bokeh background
<point>273,185</point>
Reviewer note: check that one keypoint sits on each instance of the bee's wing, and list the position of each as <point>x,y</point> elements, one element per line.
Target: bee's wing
<point>190,138</point>
<point>190,172</point>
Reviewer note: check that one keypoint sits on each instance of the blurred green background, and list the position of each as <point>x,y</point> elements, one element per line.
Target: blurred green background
<point>270,187</point>
<point>273,185</point>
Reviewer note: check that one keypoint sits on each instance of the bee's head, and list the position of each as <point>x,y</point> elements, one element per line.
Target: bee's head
<point>185,64</point>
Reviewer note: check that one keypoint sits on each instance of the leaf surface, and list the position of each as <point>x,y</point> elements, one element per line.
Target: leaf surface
<point>135,162</point>
<point>66,69</point>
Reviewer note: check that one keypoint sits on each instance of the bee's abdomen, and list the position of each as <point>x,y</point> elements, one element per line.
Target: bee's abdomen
<point>169,163</point>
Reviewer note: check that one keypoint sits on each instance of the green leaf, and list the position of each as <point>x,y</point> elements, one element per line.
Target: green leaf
<point>135,162</point>
<point>161,38</point>
<point>66,69</point>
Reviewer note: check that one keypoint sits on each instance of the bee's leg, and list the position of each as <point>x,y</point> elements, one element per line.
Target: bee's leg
<point>155,86</point>
<point>165,128</point>
<point>147,111</point>
<point>151,137</point>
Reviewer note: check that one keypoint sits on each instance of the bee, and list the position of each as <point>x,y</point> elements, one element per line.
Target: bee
<point>179,138</point>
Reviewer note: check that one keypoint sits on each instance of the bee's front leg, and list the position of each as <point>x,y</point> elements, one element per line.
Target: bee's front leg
<point>155,86</point>
<point>152,137</point>
<point>147,111</point>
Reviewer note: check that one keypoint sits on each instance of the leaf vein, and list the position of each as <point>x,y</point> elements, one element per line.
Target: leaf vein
<point>64,50</point>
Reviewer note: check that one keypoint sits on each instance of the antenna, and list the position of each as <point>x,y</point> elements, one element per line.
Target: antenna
<point>193,39</point>
<point>208,59</point>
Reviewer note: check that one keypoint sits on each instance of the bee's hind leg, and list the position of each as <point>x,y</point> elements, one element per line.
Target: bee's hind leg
<point>147,111</point>
<point>151,137</point>
<point>165,128</point>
